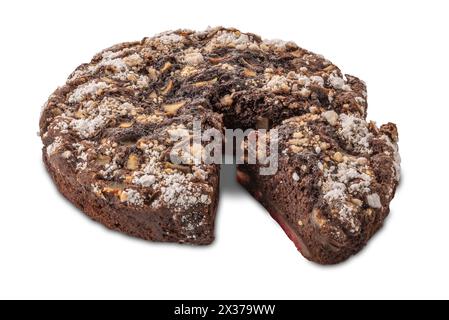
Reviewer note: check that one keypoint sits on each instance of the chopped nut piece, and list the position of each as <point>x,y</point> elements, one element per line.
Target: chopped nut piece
<point>123,196</point>
<point>188,71</point>
<point>167,88</point>
<point>126,125</point>
<point>338,157</point>
<point>115,189</point>
<point>110,190</point>
<point>141,144</point>
<point>297,142</point>
<point>295,149</point>
<point>153,95</point>
<point>133,60</point>
<point>171,109</point>
<point>132,77</point>
<point>152,73</point>
<point>167,66</point>
<point>329,68</point>
<point>324,146</point>
<point>80,114</point>
<point>317,218</point>
<point>205,83</point>
<point>314,109</point>
<point>249,73</point>
<point>357,202</point>
<point>133,162</point>
<point>145,119</point>
<point>331,117</point>
<point>226,101</point>
<point>294,105</point>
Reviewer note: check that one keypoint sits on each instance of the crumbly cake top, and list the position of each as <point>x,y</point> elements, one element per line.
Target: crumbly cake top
<point>111,122</point>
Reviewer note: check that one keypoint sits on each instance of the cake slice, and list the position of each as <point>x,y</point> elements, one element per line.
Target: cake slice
<point>125,178</point>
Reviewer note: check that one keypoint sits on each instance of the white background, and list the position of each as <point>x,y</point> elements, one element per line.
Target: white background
<point>48,249</point>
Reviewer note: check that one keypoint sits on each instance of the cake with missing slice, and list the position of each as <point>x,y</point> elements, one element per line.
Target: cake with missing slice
<point>109,131</point>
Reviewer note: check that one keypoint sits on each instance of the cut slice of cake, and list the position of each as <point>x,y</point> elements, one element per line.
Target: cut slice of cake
<point>337,175</point>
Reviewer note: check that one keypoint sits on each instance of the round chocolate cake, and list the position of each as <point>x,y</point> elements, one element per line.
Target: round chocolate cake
<point>109,131</point>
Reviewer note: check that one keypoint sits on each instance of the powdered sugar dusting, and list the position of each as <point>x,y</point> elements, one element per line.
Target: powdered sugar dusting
<point>338,83</point>
<point>178,192</point>
<point>343,182</point>
<point>110,60</point>
<point>87,127</point>
<point>278,43</point>
<point>229,38</point>
<point>317,80</point>
<point>54,147</point>
<point>193,58</point>
<point>97,116</point>
<point>354,131</point>
<point>277,84</point>
<point>374,201</point>
<point>169,38</point>
<point>146,180</point>
<point>91,89</point>
<point>132,196</point>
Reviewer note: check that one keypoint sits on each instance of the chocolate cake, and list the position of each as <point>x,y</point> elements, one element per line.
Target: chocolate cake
<point>108,134</point>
